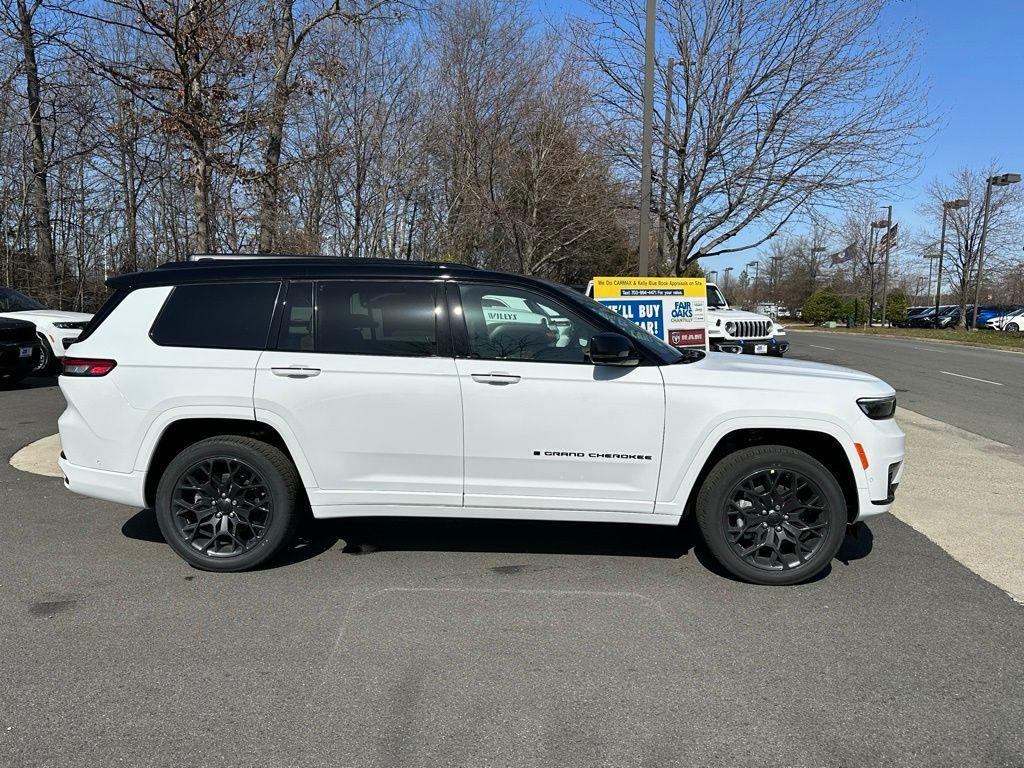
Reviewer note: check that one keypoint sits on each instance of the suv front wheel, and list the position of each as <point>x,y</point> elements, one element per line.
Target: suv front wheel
<point>228,503</point>
<point>772,515</point>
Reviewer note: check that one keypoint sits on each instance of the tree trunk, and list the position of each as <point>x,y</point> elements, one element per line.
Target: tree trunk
<point>270,194</point>
<point>201,192</point>
<point>46,256</point>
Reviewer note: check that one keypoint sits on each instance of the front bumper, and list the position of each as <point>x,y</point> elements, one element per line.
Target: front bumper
<point>884,445</point>
<point>773,346</point>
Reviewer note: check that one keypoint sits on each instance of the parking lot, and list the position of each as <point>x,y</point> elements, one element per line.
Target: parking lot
<point>471,643</point>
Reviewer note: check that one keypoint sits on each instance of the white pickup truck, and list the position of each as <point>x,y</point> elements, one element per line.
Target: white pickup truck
<point>738,331</point>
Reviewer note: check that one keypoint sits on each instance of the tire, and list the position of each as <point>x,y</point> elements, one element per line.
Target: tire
<point>811,520</point>
<point>45,366</point>
<point>209,531</point>
<point>1013,327</point>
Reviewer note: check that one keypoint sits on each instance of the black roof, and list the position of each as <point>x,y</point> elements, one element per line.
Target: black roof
<point>294,268</point>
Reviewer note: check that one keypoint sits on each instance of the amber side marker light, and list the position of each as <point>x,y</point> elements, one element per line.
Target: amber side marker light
<point>863,456</point>
<point>87,366</point>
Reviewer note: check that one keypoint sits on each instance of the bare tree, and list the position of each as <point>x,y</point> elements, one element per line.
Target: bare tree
<point>21,24</point>
<point>963,234</point>
<point>781,106</point>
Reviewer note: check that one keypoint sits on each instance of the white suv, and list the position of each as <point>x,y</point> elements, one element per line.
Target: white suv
<point>55,328</point>
<point>231,395</point>
<point>739,331</point>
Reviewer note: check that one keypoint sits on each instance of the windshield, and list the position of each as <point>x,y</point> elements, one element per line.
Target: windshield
<point>716,299</point>
<point>12,301</point>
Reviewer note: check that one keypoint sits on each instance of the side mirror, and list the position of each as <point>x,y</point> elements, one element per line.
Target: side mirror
<point>612,349</point>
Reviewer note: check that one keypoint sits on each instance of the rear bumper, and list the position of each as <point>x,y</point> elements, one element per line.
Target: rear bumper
<point>118,487</point>
<point>11,360</point>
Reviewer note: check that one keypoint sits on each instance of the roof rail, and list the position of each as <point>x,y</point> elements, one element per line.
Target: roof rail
<point>245,256</point>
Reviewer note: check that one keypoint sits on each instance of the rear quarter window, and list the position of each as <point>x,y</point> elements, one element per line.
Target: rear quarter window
<point>216,316</point>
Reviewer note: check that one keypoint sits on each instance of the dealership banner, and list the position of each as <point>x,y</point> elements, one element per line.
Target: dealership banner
<point>672,308</point>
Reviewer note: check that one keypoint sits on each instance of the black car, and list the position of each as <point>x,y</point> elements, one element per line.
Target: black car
<point>19,350</point>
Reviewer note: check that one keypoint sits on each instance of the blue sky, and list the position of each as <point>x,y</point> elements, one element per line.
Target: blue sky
<point>972,55</point>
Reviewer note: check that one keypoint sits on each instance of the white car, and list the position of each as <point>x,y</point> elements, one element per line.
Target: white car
<point>739,331</point>
<point>56,329</point>
<point>1012,321</point>
<point>231,396</point>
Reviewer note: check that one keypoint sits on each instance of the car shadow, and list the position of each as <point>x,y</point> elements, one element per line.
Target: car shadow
<point>313,538</point>
<point>32,382</point>
<point>367,535</point>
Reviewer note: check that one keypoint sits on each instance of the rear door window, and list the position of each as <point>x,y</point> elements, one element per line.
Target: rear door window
<point>365,317</point>
<point>216,316</point>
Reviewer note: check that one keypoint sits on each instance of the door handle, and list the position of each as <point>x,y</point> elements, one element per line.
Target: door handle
<point>498,379</point>
<point>296,372</point>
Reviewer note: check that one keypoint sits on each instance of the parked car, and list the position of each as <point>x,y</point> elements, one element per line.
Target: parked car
<point>949,317</point>
<point>378,387</point>
<point>913,312</point>
<point>55,329</point>
<point>985,314</point>
<point>1012,320</point>
<point>19,350</point>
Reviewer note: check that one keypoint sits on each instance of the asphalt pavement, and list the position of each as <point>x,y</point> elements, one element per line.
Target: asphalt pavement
<point>977,389</point>
<point>460,643</point>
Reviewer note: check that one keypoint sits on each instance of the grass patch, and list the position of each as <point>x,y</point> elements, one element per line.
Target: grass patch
<point>985,338</point>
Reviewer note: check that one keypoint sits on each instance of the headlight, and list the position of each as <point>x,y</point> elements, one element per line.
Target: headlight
<point>730,328</point>
<point>77,326</point>
<point>878,407</point>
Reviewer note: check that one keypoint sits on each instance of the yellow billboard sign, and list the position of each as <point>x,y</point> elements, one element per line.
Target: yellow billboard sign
<point>672,308</point>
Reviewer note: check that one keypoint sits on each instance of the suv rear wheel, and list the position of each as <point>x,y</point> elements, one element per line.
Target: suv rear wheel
<point>228,503</point>
<point>772,514</point>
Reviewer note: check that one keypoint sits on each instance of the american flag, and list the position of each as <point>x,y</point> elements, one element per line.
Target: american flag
<point>888,240</point>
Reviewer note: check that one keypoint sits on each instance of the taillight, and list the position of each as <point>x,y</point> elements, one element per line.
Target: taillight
<point>87,366</point>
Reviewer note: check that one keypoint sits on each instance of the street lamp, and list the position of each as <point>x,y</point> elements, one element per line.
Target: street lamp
<point>757,268</point>
<point>725,278</point>
<point>712,272</point>
<point>951,205</point>
<point>879,224</point>
<point>886,224</point>
<point>1002,180</point>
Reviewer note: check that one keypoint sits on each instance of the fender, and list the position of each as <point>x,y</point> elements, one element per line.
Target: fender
<point>675,487</point>
<point>158,426</point>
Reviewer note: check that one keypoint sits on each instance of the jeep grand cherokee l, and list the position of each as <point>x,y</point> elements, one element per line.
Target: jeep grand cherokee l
<point>229,395</point>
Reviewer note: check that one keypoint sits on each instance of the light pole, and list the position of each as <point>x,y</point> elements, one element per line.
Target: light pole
<point>993,181</point>
<point>725,277</point>
<point>757,268</point>
<point>712,275</point>
<point>646,140</point>
<point>880,224</point>
<point>951,205</point>
<point>885,268</point>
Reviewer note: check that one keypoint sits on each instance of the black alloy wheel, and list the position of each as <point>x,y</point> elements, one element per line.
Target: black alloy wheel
<point>229,503</point>
<point>776,519</point>
<point>221,506</point>
<point>772,514</point>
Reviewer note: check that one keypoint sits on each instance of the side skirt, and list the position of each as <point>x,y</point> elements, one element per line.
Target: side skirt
<point>490,513</point>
